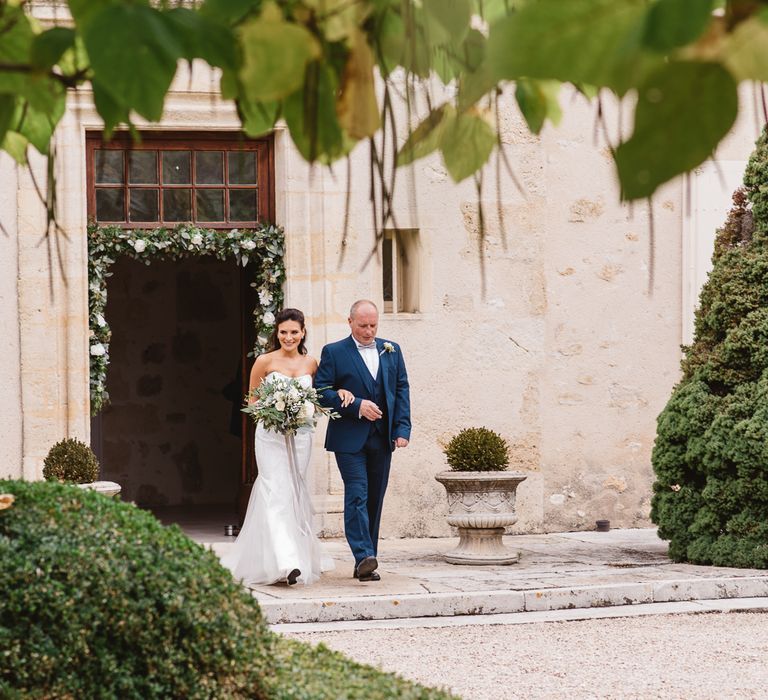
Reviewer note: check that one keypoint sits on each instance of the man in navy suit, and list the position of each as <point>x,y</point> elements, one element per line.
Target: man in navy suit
<point>365,381</point>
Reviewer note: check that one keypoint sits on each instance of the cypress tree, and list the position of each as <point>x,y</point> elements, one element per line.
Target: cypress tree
<point>710,497</point>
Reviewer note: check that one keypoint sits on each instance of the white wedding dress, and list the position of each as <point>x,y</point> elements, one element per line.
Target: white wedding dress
<point>277,535</point>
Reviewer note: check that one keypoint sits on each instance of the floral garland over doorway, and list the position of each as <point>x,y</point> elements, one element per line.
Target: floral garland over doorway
<point>263,246</point>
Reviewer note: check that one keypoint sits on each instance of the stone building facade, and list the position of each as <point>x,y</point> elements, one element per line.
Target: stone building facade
<point>570,351</point>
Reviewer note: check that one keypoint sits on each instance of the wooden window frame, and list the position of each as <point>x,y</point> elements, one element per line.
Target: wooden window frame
<point>400,272</point>
<point>186,141</point>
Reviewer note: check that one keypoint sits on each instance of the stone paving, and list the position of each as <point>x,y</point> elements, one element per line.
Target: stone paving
<point>556,571</point>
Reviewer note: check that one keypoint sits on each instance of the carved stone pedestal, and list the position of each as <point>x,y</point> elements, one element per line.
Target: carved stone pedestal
<point>481,505</point>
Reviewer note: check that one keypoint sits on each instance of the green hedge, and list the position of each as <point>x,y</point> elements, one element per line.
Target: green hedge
<point>711,453</point>
<point>99,600</point>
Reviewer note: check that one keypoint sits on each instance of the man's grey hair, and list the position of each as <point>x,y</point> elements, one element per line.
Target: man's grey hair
<point>361,302</point>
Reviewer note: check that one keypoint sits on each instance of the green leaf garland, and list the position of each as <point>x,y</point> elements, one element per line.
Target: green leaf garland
<point>262,247</point>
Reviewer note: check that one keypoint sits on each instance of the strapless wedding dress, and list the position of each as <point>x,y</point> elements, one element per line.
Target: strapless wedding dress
<point>277,535</point>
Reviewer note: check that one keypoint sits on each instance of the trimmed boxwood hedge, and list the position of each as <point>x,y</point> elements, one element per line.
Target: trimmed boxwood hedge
<point>99,600</point>
<point>711,453</point>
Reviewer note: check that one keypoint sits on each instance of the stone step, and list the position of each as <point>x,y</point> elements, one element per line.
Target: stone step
<point>492,602</point>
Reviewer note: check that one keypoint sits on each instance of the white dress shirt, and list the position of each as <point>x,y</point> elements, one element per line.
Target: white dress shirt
<point>370,356</point>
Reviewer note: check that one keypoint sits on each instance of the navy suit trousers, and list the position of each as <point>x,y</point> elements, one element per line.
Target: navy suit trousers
<point>365,475</point>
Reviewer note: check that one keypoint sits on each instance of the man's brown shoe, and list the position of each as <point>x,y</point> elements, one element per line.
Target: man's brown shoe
<point>367,566</point>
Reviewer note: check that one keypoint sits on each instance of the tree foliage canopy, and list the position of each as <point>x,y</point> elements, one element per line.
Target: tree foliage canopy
<point>315,63</point>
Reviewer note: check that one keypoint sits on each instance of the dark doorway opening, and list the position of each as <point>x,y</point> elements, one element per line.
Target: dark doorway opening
<point>172,432</point>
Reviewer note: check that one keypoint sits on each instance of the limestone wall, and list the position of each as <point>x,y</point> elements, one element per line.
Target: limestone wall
<point>11,424</point>
<point>571,352</point>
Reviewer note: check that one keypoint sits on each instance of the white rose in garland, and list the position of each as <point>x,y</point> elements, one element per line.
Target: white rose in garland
<point>268,318</point>
<point>197,239</point>
<point>97,350</point>
<point>248,245</point>
<point>139,245</point>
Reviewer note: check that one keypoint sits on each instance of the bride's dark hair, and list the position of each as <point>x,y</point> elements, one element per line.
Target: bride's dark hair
<point>282,316</point>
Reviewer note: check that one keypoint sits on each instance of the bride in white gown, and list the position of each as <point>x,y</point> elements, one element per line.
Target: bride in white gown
<point>276,542</point>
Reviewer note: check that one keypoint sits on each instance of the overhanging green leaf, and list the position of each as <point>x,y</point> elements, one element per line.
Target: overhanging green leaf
<point>258,119</point>
<point>538,102</point>
<point>581,41</point>
<point>111,111</point>
<point>746,49</point>
<point>36,126</point>
<point>202,37</point>
<point>228,11</point>
<point>310,113</point>
<point>472,86</point>
<point>15,145</point>
<point>133,55</point>
<point>425,138</point>
<point>7,111</point>
<point>389,40</point>
<point>417,47</point>
<point>339,19</point>
<point>494,10</point>
<point>448,20</point>
<point>275,57</point>
<point>83,10</point>
<point>673,23</point>
<point>48,47</point>
<point>472,51</point>
<point>357,107</point>
<point>466,143</point>
<point>16,38</point>
<point>74,59</point>
<point>682,113</point>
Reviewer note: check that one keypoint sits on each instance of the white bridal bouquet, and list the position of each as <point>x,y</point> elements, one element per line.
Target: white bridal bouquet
<point>283,405</point>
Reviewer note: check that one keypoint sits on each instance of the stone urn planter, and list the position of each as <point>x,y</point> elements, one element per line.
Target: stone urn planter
<point>481,505</point>
<point>481,496</point>
<point>106,488</point>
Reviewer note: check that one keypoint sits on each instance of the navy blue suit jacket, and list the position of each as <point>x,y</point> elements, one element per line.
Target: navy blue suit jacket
<point>341,367</point>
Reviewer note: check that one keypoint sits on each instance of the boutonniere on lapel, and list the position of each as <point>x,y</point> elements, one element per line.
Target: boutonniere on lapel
<point>387,347</point>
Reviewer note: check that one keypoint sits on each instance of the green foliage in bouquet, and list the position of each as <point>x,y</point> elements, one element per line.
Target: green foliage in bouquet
<point>477,449</point>
<point>72,461</point>
<point>711,453</point>
<point>284,405</point>
<point>99,600</point>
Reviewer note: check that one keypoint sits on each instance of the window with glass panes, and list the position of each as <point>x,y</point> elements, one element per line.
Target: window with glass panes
<point>216,182</point>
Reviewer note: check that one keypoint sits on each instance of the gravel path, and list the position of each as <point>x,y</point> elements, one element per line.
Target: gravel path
<point>717,655</point>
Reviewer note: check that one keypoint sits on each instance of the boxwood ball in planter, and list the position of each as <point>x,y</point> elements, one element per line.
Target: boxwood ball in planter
<point>99,600</point>
<point>71,461</point>
<point>481,496</point>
